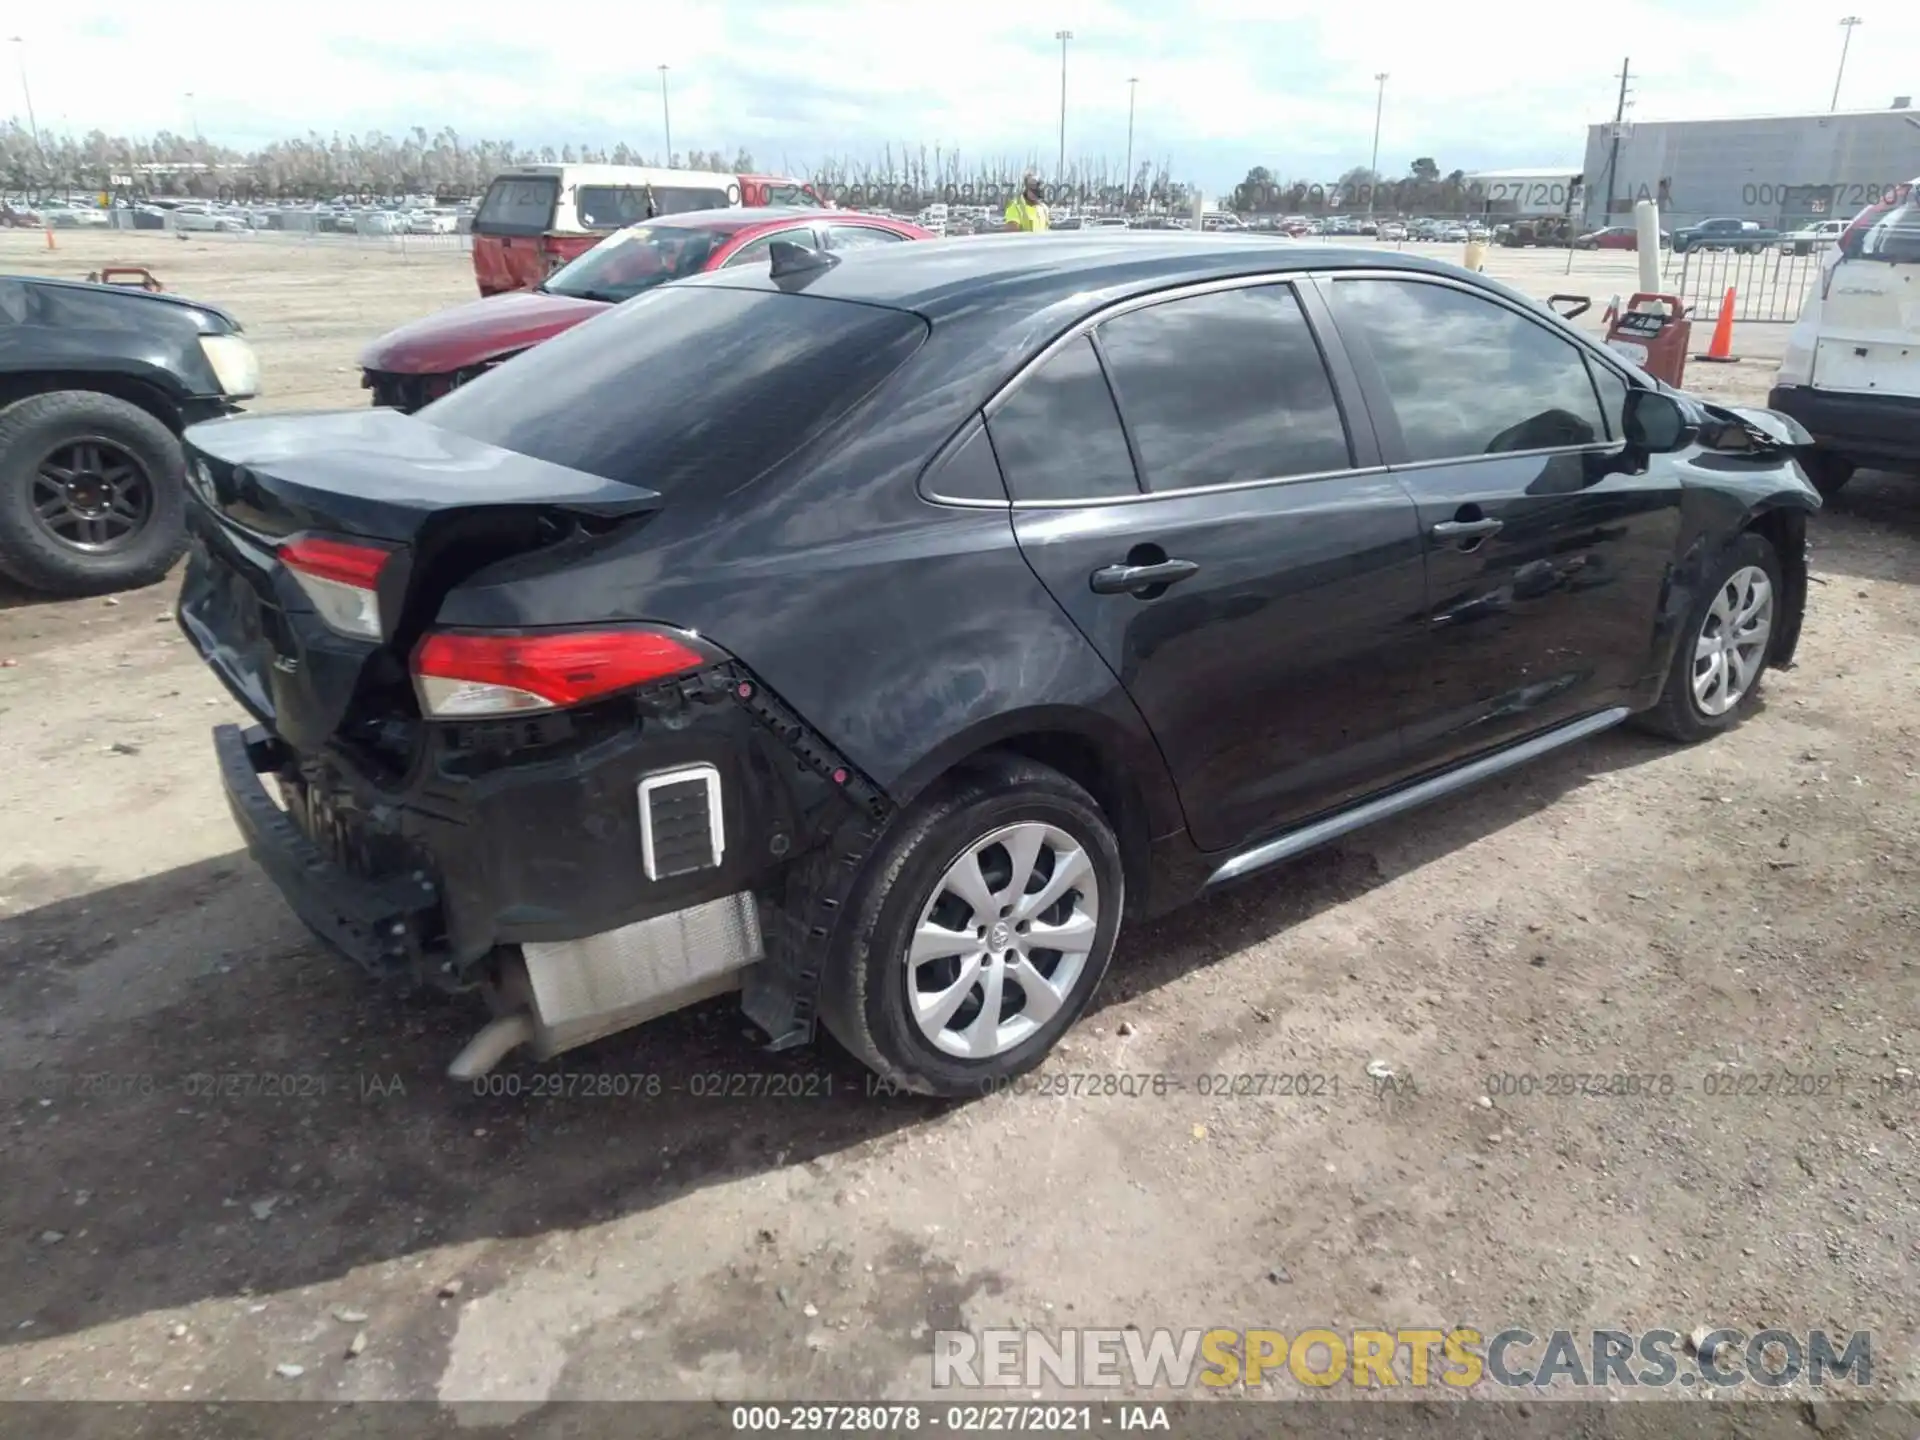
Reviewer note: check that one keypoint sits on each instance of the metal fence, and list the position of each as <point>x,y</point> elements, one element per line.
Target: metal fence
<point>1769,286</point>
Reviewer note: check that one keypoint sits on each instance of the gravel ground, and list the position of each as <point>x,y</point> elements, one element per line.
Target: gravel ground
<point>328,1218</point>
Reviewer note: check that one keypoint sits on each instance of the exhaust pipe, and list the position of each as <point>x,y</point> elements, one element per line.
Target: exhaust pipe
<point>555,996</point>
<point>492,1045</point>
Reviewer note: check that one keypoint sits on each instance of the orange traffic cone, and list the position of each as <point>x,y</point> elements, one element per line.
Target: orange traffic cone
<point>50,244</point>
<point>1720,351</point>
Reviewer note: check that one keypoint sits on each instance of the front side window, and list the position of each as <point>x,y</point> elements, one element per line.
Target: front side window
<point>759,252</point>
<point>857,237</point>
<point>1226,387</point>
<point>1466,376</point>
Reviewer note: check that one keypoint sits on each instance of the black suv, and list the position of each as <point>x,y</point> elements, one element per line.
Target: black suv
<point>872,634</point>
<point>96,383</point>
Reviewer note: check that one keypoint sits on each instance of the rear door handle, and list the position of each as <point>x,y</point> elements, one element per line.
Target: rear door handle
<point>1132,579</point>
<point>1465,529</point>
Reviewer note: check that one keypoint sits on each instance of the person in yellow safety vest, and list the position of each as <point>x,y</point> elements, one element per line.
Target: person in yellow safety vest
<point>1027,211</point>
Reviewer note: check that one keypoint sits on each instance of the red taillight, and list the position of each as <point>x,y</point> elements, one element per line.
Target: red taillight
<point>466,675</point>
<point>341,578</point>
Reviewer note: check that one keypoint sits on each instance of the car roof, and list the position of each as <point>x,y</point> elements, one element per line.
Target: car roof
<point>1012,276</point>
<point>738,217</point>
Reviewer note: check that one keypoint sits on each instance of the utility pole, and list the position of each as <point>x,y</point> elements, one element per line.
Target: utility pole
<point>32,124</point>
<point>1060,170</point>
<point>1846,25</point>
<point>666,114</point>
<point>1379,107</point>
<point>1613,156</point>
<point>1133,84</point>
<point>193,120</point>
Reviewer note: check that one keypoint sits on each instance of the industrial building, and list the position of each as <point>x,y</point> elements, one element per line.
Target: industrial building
<point>1783,171</point>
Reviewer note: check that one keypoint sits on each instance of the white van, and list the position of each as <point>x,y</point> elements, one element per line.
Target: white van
<point>535,218</point>
<point>1851,374</point>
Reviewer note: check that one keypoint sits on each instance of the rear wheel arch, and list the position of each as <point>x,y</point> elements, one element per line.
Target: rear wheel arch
<point>1099,762</point>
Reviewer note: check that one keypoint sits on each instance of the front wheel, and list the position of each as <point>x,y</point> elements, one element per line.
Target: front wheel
<point>91,494</point>
<point>1717,666</point>
<point>979,931</point>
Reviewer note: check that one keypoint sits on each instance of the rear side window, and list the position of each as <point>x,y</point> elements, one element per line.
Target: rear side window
<point>1223,388</point>
<point>1058,436</point>
<point>685,386</point>
<point>520,205</point>
<point>1894,238</point>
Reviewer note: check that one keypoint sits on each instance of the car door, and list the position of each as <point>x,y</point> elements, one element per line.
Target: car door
<point>1547,545</point>
<point>1189,489</point>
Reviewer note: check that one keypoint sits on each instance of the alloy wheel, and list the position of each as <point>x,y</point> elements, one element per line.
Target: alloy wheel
<point>92,495</point>
<point>1002,940</point>
<point>1732,644</point>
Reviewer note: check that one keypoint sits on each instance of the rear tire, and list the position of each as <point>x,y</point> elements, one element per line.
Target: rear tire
<point>1828,472</point>
<point>1735,620</point>
<point>1017,823</point>
<point>38,435</point>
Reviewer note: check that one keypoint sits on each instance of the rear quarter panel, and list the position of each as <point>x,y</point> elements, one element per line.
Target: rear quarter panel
<point>908,633</point>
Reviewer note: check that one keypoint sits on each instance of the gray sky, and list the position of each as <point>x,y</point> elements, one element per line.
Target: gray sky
<point>1224,84</point>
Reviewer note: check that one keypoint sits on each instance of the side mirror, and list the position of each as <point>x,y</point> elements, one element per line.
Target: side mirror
<point>1655,422</point>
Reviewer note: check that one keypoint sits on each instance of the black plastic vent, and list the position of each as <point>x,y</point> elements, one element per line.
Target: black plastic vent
<point>681,820</point>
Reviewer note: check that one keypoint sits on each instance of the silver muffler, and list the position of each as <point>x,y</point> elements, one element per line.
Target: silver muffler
<point>558,995</point>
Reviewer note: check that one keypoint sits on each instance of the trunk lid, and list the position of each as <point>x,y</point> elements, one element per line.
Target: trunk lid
<point>446,504</point>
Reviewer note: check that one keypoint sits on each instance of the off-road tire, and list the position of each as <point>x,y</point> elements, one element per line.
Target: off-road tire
<point>863,1001</point>
<point>33,428</point>
<point>1678,715</point>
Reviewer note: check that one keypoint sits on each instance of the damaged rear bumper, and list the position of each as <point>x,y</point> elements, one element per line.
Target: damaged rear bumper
<point>382,925</point>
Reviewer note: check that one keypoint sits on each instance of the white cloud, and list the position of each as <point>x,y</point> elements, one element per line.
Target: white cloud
<point>1224,84</point>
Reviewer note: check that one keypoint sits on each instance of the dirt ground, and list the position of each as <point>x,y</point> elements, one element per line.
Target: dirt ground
<point>217,1141</point>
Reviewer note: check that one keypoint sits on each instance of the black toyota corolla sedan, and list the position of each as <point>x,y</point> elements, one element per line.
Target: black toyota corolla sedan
<point>874,634</point>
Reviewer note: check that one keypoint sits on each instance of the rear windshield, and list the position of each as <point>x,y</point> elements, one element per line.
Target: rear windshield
<point>517,205</point>
<point>609,207</point>
<point>1895,236</point>
<point>686,385</point>
<point>635,259</point>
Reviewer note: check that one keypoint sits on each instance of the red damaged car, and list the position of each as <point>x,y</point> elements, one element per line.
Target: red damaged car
<point>419,362</point>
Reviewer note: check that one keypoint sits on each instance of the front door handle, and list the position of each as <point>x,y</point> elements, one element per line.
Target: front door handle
<point>1132,579</point>
<point>1466,529</point>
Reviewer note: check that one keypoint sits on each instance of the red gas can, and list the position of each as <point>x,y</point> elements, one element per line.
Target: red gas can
<point>1653,332</point>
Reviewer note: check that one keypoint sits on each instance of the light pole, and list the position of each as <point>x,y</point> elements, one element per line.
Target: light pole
<point>1133,85</point>
<point>193,121</point>
<point>1846,25</point>
<point>32,124</point>
<point>666,114</point>
<point>1060,170</point>
<point>1373,169</point>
